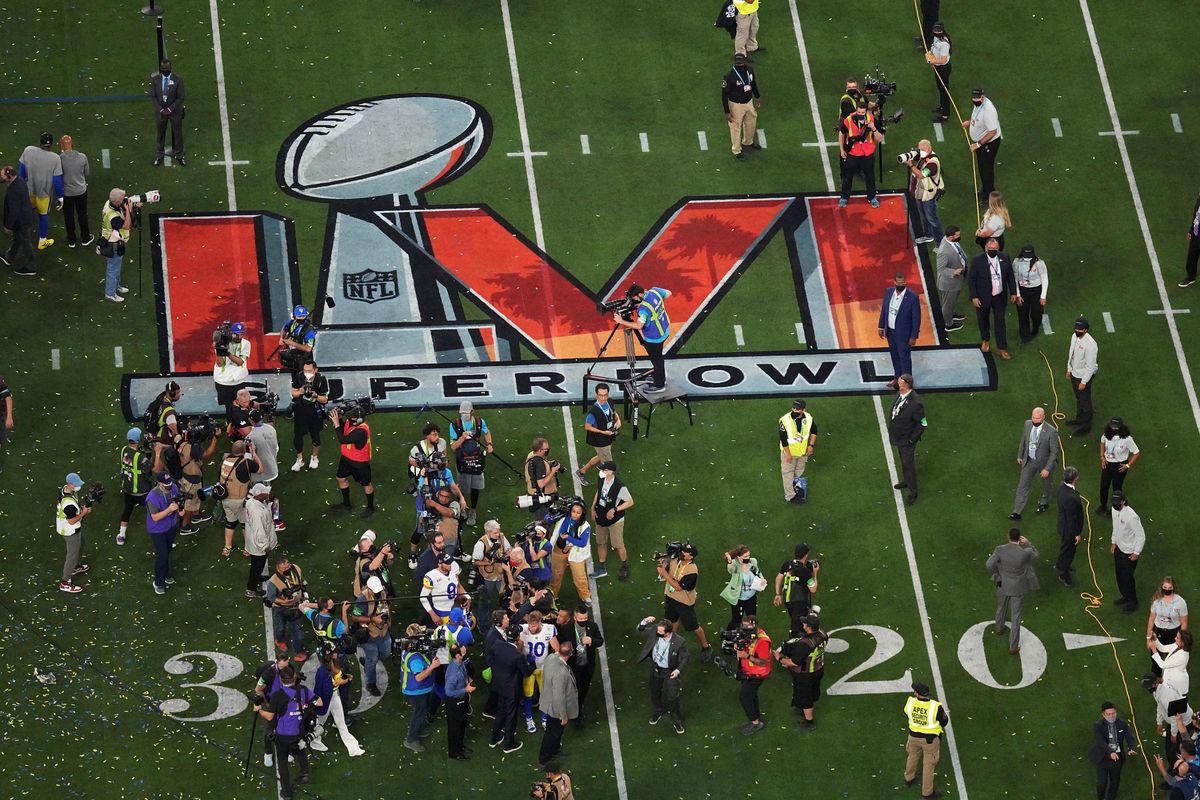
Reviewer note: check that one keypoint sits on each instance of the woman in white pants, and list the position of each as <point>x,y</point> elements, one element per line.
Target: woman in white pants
<point>332,681</point>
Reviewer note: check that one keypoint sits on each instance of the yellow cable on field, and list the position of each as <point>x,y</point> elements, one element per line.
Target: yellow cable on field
<point>957,114</point>
<point>1095,600</point>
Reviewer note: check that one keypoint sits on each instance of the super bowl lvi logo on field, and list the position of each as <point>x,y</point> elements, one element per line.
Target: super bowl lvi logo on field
<point>419,303</point>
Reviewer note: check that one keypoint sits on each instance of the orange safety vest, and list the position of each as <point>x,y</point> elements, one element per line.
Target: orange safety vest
<point>352,453</point>
<point>754,670</point>
<point>853,130</point>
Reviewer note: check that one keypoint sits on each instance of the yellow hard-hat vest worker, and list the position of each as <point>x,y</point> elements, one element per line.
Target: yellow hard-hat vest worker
<point>745,8</point>
<point>923,716</point>
<point>62,523</point>
<point>796,432</point>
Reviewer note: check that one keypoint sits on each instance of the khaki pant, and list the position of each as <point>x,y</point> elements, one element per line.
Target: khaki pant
<point>614,533</point>
<point>916,747</point>
<point>558,567</point>
<point>790,469</point>
<point>743,125</point>
<point>746,38</point>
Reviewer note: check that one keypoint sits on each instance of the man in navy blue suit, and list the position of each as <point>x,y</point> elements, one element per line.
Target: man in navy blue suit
<point>900,324</point>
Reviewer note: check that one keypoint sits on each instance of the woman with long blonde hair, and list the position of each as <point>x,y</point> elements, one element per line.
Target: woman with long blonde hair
<point>995,221</point>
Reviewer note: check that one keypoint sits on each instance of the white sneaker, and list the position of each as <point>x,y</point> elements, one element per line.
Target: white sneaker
<point>121,537</point>
<point>123,290</point>
<point>314,462</point>
<point>360,751</point>
<point>268,760</point>
<point>318,745</point>
<point>116,298</point>
<point>923,240</point>
<point>299,465</point>
<point>530,725</point>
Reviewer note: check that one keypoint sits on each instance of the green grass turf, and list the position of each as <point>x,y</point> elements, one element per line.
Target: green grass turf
<point>600,70</point>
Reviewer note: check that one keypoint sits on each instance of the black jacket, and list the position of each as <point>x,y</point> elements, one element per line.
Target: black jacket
<point>509,666</point>
<point>979,278</point>
<point>18,214</point>
<point>677,654</point>
<point>1099,749</point>
<point>1070,511</point>
<point>566,633</point>
<point>908,425</point>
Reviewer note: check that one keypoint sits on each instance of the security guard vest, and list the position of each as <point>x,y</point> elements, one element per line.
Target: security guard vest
<point>756,670</point>
<point>658,324</point>
<point>792,581</point>
<point>352,453</point>
<point>678,570</point>
<point>797,435</point>
<point>745,8</point>
<point>236,488</point>
<point>61,523</point>
<point>135,472</point>
<point>288,580</point>
<point>324,625</point>
<point>856,133</point>
<point>605,420</point>
<point>609,500</point>
<point>922,717</point>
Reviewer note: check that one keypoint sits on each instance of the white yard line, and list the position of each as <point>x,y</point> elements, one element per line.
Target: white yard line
<point>906,534</point>
<point>1136,194</point>
<point>738,337</point>
<point>762,138</point>
<point>703,137</point>
<point>1120,134</point>
<point>800,332</point>
<point>645,141</point>
<point>938,132</point>
<point>568,427</point>
<point>1046,325</point>
<point>55,359</point>
<point>1176,124</point>
<point>1108,323</point>
<point>105,158</point>
<point>222,104</point>
<point>584,144</point>
<point>118,357</point>
<point>1054,123</point>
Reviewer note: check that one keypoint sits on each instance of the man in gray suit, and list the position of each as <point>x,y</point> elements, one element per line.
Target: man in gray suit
<point>1037,455</point>
<point>166,90</point>
<point>951,265</point>
<point>1011,565</point>
<point>560,699</point>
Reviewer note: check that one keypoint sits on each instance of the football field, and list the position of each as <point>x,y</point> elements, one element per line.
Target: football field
<point>451,187</point>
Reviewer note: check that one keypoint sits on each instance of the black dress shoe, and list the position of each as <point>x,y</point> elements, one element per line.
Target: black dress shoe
<point>900,485</point>
<point>1041,508</point>
<point>1084,431</point>
<point>1101,511</point>
<point>181,161</point>
<point>461,757</point>
<point>1121,601</point>
<point>753,146</point>
<point>1129,608</point>
<point>908,501</point>
<point>158,160</point>
<point>1015,517</point>
<point>1065,579</point>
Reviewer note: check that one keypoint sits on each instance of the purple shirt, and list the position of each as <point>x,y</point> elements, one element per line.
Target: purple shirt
<point>156,502</point>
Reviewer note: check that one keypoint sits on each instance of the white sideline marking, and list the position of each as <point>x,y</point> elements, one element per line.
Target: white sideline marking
<point>1054,123</point>
<point>738,337</point>
<point>55,360</point>
<point>118,357</point>
<point>1176,124</point>
<point>762,138</point>
<point>938,133</point>
<point>223,107</point>
<point>1136,194</point>
<point>1046,325</point>
<point>584,145</point>
<point>645,140</point>
<point>1108,323</point>
<point>105,158</point>
<point>703,137</point>
<point>922,611</point>
<point>800,332</point>
<point>572,456</point>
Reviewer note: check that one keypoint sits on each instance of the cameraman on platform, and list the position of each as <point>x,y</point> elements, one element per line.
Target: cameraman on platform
<point>310,393</point>
<point>926,185</point>
<point>136,477</point>
<point>229,369</point>
<point>679,572</point>
<point>296,341</point>
<point>354,436</point>
<point>541,476</point>
<point>69,524</point>
<point>653,326</point>
<point>754,665</point>
<point>284,596</point>
<point>857,137</point>
<point>795,585</point>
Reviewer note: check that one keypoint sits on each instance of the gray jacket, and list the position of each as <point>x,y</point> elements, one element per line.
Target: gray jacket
<point>560,695</point>
<point>948,260</point>
<point>1047,447</point>
<point>75,171</point>
<point>1011,565</point>
<point>259,528</point>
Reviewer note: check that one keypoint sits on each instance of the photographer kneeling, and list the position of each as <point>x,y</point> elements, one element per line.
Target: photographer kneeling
<point>753,649</point>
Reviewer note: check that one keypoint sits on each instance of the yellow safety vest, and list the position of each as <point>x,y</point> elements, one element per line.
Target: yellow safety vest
<point>922,716</point>
<point>745,8</point>
<point>61,523</point>
<point>797,436</point>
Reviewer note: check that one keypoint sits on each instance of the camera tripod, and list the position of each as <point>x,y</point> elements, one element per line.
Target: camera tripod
<point>628,380</point>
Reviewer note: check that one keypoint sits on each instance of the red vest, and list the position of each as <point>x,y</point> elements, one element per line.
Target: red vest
<point>352,453</point>
<point>861,148</point>
<point>753,670</point>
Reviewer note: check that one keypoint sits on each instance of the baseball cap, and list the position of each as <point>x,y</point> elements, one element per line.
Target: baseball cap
<point>921,689</point>
<point>608,466</point>
<point>374,584</point>
<point>445,558</point>
<point>798,403</point>
<point>1118,497</point>
<point>75,480</point>
<point>1082,324</point>
<point>299,312</point>
<point>456,616</point>
<point>238,327</point>
<point>939,27</point>
<point>46,138</point>
<point>976,92</point>
<point>466,407</point>
<point>134,434</point>
<point>812,621</point>
<point>260,488</point>
<point>369,535</point>
<point>164,477</point>
<point>740,58</point>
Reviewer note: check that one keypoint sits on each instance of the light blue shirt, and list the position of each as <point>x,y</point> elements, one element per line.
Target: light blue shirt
<point>661,650</point>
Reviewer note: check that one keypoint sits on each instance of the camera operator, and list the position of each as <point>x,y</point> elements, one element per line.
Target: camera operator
<point>431,443</point>
<point>296,341</point>
<point>459,688</point>
<point>668,656</point>
<point>229,367</point>
<point>470,454</point>
<point>857,137</point>
<point>258,537</point>
<point>237,415</point>
<point>848,101</point>
<point>804,656</point>
<point>292,711</point>
<point>926,185</point>
<point>162,523</point>
<point>571,540</point>
<point>332,685</point>
<point>584,635</point>
<point>558,783</point>
<point>371,561</point>
<point>653,326</point>
<point>611,502</point>
<point>538,549</point>
<point>541,476</point>
<point>416,670</point>
<point>438,588</point>
<point>754,665</point>
<point>679,596</point>
<point>795,585</point>
<point>115,224</point>
<point>435,479</point>
<point>601,426</point>
<point>237,469</point>
<point>284,594</point>
<point>372,611</point>
<point>162,420</point>
<point>328,628</point>
<point>310,393</point>
<point>69,524</point>
<point>190,453</point>
<point>136,476</point>
<point>491,559</point>
<point>354,436</point>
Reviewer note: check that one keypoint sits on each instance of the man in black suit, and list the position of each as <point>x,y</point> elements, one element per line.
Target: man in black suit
<point>578,628</point>
<point>905,429</point>
<point>1193,253</point>
<point>495,633</point>
<point>1107,753</point>
<point>992,286</point>
<point>1070,525</point>
<point>509,668</point>
<point>166,90</point>
<point>668,656</point>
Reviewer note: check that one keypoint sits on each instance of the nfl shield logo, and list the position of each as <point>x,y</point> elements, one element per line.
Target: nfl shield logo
<point>370,286</point>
